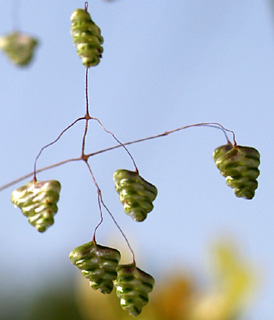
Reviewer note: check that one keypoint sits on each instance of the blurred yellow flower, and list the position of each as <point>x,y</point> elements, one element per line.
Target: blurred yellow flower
<point>234,282</point>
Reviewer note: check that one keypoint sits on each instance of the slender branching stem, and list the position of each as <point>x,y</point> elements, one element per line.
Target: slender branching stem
<point>101,216</point>
<point>120,143</point>
<point>30,174</point>
<point>164,134</point>
<point>84,141</point>
<point>100,201</point>
<point>119,228</point>
<point>50,144</point>
<point>87,118</point>
<point>99,194</point>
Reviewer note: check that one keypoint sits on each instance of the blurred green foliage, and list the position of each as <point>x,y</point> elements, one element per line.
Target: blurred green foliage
<point>52,303</point>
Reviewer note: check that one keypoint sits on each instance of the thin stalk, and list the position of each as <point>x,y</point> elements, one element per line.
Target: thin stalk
<point>120,229</point>
<point>50,144</point>
<point>115,138</point>
<point>86,92</point>
<point>28,175</point>
<point>101,217</point>
<point>100,201</point>
<point>164,134</point>
<point>87,117</point>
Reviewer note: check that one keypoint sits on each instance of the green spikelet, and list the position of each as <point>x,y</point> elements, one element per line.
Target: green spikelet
<point>86,37</point>
<point>18,47</point>
<point>240,167</point>
<point>132,288</point>
<point>37,201</point>
<point>98,264</point>
<point>136,194</point>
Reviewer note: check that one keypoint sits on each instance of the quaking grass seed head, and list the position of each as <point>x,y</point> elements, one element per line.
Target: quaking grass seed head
<point>98,264</point>
<point>18,47</point>
<point>87,39</point>
<point>239,165</point>
<point>38,202</point>
<point>132,288</point>
<point>135,193</point>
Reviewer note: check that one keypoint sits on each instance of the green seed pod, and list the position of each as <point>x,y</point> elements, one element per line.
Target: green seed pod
<point>98,264</point>
<point>240,167</point>
<point>18,47</point>
<point>37,201</point>
<point>132,288</point>
<point>86,36</point>
<point>136,194</point>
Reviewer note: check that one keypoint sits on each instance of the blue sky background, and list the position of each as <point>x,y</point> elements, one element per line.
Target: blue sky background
<point>165,64</point>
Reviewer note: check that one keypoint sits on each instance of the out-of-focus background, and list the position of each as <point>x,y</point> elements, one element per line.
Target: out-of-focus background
<point>165,64</point>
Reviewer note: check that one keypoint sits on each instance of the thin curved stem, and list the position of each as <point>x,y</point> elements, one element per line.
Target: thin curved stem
<point>84,139</point>
<point>28,175</point>
<point>101,216</point>
<point>100,201</point>
<point>115,138</point>
<point>50,144</point>
<point>119,228</point>
<point>164,134</point>
<point>87,117</point>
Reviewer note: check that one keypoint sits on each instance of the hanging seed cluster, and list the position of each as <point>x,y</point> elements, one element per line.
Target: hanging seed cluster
<point>38,201</point>
<point>86,37</point>
<point>18,47</point>
<point>239,164</point>
<point>132,288</point>
<point>136,194</point>
<point>98,264</point>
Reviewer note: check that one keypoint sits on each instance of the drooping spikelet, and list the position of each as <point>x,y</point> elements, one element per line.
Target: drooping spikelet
<point>86,36</point>
<point>37,201</point>
<point>239,164</point>
<point>136,194</point>
<point>18,47</point>
<point>98,264</point>
<point>132,288</point>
